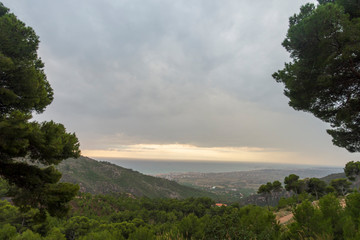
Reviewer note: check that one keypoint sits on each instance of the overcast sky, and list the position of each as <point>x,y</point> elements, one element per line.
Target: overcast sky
<point>175,79</point>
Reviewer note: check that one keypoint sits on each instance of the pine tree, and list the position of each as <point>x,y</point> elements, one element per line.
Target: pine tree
<point>26,145</point>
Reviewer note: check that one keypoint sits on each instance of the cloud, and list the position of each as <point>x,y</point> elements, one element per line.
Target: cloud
<point>190,152</point>
<point>171,72</point>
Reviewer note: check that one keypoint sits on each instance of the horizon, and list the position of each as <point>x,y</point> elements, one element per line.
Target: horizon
<point>192,153</point>
<point>122,159</point>
<point>157,167</point>
<point>191,82</point>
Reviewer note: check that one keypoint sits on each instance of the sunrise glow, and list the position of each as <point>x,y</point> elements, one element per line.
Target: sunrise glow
<point>190,152</point>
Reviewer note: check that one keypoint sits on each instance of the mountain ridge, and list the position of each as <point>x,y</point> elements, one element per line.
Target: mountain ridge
<point>98,177</point>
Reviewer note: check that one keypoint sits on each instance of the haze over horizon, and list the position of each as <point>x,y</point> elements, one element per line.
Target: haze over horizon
<point>175,80</point>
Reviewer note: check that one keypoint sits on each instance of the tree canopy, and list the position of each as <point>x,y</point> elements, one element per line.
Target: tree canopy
<point>26,145</point>
<point>293,183</point>
<point>269,189</point>
<point>316,187</point>
<point>323,77</point>
<point>352,170</point>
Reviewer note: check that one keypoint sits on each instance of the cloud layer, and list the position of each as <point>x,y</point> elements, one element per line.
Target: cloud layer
<point>172,72</point>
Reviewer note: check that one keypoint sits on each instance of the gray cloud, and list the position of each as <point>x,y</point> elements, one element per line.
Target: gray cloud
<point>192,72</point>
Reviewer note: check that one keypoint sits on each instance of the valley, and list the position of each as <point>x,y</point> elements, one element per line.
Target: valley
<point>238,185</point>
<point>100,177</point>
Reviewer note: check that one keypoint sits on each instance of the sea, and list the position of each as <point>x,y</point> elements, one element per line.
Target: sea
<point>157,167</point>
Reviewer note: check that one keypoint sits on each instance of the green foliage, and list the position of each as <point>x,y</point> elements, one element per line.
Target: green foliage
<point>292,183</point>
<point>8,213</point>
<point>28,235</point>
<point>326,220</point>
<point>351,7</point>
<point>191,227</point>
<point>330,189</point>
<point>260,222</point>
<point>287,202</point>
<point>22,74</point>
<point>193,218</point>
<point>106,178</point>
<point>353,207</point>
<point>7,232</point>
<point>145,218</point>
<point>4,188</point>
<point>341,186</point>
<point>24,89</point>
<point>352,170</point>
<point>55,234</point>
<point>323,77</point>
<point>316,187</point>
<point>309,222</point>
<point>265,188</point>
<point>268,189</point>
<point>349,228</point>
<point>105,234</point>
<point>79,226</point>
<point>332,213</point>
<point>250,222</point>
<point>276,186</point>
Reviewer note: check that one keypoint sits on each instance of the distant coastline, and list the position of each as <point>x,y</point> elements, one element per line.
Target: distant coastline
<point>155,167</point>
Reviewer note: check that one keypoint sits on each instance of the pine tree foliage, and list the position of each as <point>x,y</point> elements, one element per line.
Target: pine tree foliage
<point>323,77</point>
<point>25,144</point>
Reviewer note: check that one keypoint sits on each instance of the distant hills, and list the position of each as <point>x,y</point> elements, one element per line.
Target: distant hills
<point>327,179</point>
<point>107,178</point>
<point>333,176</point>
<point>103,178</point>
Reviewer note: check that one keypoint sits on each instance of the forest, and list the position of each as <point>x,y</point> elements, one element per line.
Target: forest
<point>331,212</point>
<point>323,79</point>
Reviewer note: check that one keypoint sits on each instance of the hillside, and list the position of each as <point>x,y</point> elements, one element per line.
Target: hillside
<point>333,176</point>
<point>103,178</point>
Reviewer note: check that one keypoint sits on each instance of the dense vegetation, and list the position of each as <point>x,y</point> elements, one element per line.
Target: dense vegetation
<point>103,177</point>
<point>24,90</point>
<point>325,68</point>
<point>333,216</point>
<point>124,217</point>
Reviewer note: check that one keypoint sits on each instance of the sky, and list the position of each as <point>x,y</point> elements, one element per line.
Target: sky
<point>175,80</point>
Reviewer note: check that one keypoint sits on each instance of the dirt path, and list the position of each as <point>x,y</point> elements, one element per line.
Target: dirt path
<point>285,218</point>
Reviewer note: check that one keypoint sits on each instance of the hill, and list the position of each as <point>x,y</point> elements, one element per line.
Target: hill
<point>103,178</point>
<point>333,176</point>
<point>354,185</point>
